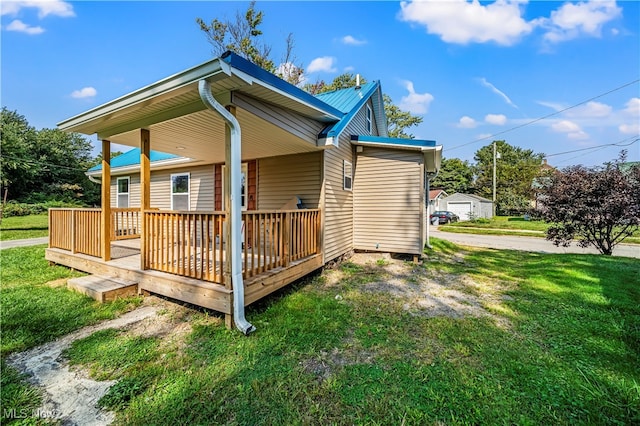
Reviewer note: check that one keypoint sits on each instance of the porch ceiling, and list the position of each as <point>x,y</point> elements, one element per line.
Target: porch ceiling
<point>201,136</point>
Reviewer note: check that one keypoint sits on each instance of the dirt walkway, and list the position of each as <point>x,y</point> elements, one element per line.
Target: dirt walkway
<point>70,396</point>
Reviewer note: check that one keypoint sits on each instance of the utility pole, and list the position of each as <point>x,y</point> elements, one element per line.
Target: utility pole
<point>494,178</point>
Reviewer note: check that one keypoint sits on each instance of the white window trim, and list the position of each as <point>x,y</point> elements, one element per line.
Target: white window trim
<point>188,175</point>
<point>118,193</point>
<point>245,170</point>
<point>347,165</point>
<point>368,119</point>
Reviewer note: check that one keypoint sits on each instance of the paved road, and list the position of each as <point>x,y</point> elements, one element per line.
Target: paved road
<point>534,244</point>
<point>23,243</point>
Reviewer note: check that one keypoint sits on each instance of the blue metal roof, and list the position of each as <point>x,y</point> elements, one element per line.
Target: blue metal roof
<point>346,99</point>
<point>255,71</point>
<point>350,101</point>
<point>132,158</point>
<point>391,142</point>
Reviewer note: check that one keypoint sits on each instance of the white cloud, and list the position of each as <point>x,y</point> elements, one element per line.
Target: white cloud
<point>498,92</point>
<point>590,110</point>
<point>415,103</point>
<point>572,20</point>
<point>466,122</point>
<point>633,107</point>
<point>349,68</point>
<point>463,22</point>
<point>497,119</point>
<point>85,92</point>
<point>44,7</point>
<point>571,129</point>
<point>630,129</point>
<point>19,26</point>
<point>324,63</point>
<point>351,40</point>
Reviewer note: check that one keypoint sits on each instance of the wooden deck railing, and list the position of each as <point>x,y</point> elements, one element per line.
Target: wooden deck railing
<point>77,230</point>
<point>125,223</point>
<point>192,244</point>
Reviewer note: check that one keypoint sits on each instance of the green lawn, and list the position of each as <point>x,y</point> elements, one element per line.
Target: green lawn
<point>34,312</point>
<point>503,225</point>
<point>20,227</point>
<point>559,344</point>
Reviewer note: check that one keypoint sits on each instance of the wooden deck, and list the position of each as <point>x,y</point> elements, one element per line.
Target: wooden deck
<point>125,265</point>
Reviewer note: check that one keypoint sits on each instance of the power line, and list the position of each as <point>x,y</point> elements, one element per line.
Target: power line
<point>597,147</point>
<point>545,116</point>
<point>42,163</point>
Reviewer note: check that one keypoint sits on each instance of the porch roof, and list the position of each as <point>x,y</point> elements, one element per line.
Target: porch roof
<point>180,124</point>
<point>432,152</point>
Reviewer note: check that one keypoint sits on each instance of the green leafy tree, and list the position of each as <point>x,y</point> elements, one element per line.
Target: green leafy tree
<point>454,176</point>
<point>243,36</point>
<point>600,206</point>
<point>43,165</point>
<point>516,170</point>
<point>398,120</point>
<point>17,172</point>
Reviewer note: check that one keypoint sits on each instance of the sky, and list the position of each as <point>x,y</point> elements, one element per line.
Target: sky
<point>559,78</point>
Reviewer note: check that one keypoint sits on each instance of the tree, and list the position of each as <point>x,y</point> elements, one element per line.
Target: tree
<point>599,205</point>
<point>454,176</point>
<point>43,165</point>
<point>515,171</point>
<point>242,36</point>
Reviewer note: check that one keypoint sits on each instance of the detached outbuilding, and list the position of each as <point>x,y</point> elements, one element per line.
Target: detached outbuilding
<point>468,206</point>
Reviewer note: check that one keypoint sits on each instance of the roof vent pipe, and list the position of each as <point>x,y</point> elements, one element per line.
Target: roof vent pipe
<point>357,81</point>
<point>235,207</point>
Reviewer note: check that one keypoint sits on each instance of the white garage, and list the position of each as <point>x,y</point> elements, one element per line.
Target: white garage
<point>463,209</point>
<point>468,206</point>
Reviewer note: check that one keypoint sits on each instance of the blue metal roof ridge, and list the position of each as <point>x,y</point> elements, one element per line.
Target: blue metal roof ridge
<point>337,128</point>
<point>418,143</point>
<point>132,158</point>
<point>261,74</point>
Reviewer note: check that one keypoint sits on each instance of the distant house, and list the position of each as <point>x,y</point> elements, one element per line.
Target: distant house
<point>468,206</point>
<point>435,200</point>
<point>261,183</point>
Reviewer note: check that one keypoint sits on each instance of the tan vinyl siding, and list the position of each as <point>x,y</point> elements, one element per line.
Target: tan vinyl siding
<point>134,190</point>
<point>338,203</point>
<point>282,178</point>
<point>201,179</point>
<point>388,201</point>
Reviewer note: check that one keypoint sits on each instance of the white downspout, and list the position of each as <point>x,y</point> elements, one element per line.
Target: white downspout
<point>429,207</point>
<point>235,207</point>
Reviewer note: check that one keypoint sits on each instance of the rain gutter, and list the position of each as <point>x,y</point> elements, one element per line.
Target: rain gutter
<point>235,211</point>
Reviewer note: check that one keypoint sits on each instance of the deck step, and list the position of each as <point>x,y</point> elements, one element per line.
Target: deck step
<point>103,288</point>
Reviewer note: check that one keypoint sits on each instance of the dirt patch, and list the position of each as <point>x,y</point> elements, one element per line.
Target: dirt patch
<point>70,396</point>
<point>57,283</point>
<point>424,292</point>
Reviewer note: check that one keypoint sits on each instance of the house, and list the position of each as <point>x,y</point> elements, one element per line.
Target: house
<point>435,200</point>
<point>260,184</point>
<point>468,206</point>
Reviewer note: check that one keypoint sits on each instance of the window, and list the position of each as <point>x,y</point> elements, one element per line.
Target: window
<point>369,119</point>
<point>243,187</point>
<point>180,191</point>
<point>122,188</point>
<point>348,175</point>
